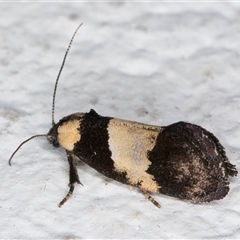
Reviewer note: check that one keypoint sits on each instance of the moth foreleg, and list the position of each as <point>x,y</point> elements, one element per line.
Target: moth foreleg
<point>73,177</point>
<point>150,198</point>
<point>69,194</point>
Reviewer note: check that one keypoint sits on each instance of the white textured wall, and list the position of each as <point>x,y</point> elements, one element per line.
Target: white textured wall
<point>156,63</point>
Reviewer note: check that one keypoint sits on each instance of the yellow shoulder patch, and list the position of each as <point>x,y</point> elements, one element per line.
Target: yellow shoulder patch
<point>68,134</point>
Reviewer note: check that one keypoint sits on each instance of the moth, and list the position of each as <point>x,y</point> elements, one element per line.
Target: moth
<point>181,160</point>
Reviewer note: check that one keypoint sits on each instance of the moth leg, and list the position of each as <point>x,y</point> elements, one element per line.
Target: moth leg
<point>73,177</point>
<point>150,198</point>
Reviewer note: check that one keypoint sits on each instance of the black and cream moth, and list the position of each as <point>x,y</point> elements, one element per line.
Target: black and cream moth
<point>181,160</point>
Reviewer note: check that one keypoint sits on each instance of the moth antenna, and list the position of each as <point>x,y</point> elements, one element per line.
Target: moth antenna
<point>60,71</point>
<point>54,95</point>
<point>39,135</point>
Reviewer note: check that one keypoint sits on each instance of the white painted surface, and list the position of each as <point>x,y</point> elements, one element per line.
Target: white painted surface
<point>156,63</point>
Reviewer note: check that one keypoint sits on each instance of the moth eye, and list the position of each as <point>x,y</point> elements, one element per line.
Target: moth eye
<point>53,140</point>
<point>55,143</point>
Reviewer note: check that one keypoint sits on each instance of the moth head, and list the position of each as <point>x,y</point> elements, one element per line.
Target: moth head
<point>66,132</point>
<point>52,136</point>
